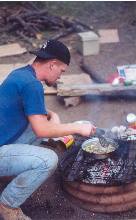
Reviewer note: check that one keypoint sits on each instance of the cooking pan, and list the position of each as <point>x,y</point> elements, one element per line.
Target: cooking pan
<point>99,147</point>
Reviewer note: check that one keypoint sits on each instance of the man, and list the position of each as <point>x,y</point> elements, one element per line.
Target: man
<point>23,118</point>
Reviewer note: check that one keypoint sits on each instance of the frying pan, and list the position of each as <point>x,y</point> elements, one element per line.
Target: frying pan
<point>104,147</point>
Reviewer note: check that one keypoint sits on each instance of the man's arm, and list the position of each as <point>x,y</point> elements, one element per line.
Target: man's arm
<point>47,128</point>
<point>53,117</point>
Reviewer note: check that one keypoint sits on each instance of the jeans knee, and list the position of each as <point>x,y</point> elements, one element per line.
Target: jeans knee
<point>47,160</point>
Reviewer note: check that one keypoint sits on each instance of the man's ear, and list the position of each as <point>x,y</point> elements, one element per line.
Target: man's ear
<point>50,65</point>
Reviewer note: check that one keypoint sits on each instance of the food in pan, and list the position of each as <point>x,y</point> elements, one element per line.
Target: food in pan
<point>93,146</point>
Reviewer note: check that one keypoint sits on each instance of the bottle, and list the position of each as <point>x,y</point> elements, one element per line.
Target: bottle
<point>67,140</point>
<point>131,119</point>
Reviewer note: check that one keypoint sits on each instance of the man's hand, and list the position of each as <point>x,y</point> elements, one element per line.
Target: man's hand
<point>86,129</point>
<point>53,117</point>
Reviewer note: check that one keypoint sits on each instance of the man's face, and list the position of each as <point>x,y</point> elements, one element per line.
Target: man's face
<point>55,69</point>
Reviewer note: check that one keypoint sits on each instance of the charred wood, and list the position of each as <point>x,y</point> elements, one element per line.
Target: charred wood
<point>31,20</point>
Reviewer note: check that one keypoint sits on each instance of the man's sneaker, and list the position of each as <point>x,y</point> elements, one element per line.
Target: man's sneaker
<point>7,213</point>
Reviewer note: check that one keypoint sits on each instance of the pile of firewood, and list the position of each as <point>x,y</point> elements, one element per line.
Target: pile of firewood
<point>27,22</point>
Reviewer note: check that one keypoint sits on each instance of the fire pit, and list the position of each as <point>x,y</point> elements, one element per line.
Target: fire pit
<point>104,199</point>
<point>101,185</point>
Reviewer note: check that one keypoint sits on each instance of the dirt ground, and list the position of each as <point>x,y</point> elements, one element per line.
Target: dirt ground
<point>50,202</point>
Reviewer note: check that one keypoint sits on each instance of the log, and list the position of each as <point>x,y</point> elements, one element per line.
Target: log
<point>24,37</point>
<point>95,89</point>
<point>95,76</point>
<point>29,14</point>
<point>63,34</point>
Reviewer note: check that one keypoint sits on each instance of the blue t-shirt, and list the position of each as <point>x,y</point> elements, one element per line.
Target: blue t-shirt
<point>21,94</point>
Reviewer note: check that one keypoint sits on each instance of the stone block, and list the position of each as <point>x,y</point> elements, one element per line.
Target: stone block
<point>88,43</point>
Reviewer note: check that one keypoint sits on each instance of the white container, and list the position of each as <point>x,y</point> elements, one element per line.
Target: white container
<point>131,118</point>
<point>88,43</point>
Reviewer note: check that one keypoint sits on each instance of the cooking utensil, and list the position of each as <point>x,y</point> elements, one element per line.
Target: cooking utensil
<point>103,138</point>
<point>99,132</point>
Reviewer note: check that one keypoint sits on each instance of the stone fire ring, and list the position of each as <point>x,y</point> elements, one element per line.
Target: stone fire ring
<point>104,199</point>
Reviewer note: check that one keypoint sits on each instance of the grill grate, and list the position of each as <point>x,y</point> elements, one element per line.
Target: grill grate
<point>119,168</point>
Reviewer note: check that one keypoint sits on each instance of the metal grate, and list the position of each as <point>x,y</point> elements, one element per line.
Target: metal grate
<point>116,169</point>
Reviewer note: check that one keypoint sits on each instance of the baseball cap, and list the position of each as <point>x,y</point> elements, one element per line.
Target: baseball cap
<point>53,49</point>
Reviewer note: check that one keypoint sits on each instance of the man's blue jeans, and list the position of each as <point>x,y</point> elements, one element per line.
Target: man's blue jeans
<point>31,165</point>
